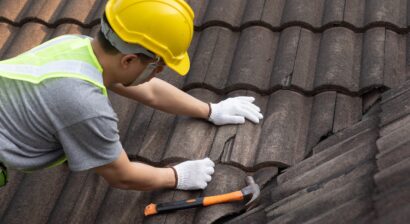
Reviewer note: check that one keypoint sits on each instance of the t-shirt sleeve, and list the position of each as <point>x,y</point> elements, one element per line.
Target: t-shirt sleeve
<point>90,143</point>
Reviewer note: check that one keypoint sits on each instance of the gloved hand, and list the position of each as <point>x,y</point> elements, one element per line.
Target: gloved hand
<point>194,174</point>
<point>234,111</point>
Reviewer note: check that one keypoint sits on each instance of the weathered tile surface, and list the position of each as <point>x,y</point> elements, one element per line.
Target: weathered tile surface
<point>314,67</point>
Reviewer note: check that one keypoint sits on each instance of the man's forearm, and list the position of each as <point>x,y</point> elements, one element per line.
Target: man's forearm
<point>124,174</point>
<point>166,97</point>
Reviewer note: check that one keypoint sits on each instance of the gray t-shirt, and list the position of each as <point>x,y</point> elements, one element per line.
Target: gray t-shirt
<point>39,123</point>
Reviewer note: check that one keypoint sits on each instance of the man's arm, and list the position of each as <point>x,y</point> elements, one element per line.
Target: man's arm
<point>124,174</point>
<point>166,97</point>
<point>163,96</point>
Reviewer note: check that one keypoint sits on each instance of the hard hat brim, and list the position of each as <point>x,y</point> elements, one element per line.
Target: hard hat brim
<point>182,67</point>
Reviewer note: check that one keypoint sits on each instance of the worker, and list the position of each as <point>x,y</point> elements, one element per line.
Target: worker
<point>54,104</point>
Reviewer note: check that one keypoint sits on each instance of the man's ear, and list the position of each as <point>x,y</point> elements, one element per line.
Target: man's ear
<point>127,59</point>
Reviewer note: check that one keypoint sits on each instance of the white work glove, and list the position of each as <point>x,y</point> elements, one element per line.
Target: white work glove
<point>234,111</point>
<point>194,174</point>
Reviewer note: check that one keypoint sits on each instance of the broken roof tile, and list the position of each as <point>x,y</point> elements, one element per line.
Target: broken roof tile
<point>348,112</point>
<point>287,115</point>
<point>192,138</point>
<point>239,144</point>
<point>285,56</point>
<point>304,71</point>
<point>322,118</point>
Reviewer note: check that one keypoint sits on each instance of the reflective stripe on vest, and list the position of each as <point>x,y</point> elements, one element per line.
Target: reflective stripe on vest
<point>68,56</point>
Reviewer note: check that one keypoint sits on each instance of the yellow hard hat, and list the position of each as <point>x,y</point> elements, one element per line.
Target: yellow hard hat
<point>164,27</point>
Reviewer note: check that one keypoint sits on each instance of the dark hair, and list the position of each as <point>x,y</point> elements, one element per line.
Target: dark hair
<point>105,44</point>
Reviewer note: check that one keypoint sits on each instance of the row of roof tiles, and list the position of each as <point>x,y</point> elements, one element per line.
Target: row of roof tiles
<point>265,61</point>
<point>315,14</point>
<point>292,125</point>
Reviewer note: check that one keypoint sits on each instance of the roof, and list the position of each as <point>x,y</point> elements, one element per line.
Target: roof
<point>317,69</point>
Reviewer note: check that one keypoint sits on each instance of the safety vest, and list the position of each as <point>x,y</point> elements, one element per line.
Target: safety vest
<point>68,56</point>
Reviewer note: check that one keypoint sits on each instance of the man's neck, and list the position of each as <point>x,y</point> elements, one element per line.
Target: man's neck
<point>105,61</point>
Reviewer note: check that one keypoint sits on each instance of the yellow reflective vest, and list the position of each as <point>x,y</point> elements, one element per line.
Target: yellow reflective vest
<point>68,56</point>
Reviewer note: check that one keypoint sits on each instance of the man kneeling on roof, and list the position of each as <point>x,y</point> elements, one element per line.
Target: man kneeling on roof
<point>54,104</point>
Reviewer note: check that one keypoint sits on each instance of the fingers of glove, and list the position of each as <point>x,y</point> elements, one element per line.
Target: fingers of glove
<point>251,106</point>
<point>254,112</point>
<point>209,170</point>
<point>249,114</point>
<point>202,185</point>
<point>230,119</point>
<point>208,178</point>
<point>208,162</point>
<point>249,99</point>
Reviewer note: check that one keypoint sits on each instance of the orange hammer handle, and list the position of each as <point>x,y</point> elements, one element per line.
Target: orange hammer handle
<point>223,198</point>
<point>153,209</point>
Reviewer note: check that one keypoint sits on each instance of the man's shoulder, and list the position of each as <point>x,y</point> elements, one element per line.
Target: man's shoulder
<point>77,99</point>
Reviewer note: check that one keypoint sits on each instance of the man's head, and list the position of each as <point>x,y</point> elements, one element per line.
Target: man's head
<point>132,68</point>
<point>148,31</point>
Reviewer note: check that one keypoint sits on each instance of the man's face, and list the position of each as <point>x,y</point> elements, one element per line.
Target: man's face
<point>145,69</point>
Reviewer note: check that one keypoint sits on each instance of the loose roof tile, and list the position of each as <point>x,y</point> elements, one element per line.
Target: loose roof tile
<point>286,116</point>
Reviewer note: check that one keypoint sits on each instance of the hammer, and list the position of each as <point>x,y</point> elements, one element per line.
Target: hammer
<point>252,191</point>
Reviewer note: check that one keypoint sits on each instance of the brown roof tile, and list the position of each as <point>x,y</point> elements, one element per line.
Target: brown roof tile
<point>312,81</point>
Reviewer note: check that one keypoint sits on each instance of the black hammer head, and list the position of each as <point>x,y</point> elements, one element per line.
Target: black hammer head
<point>251,190</point>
